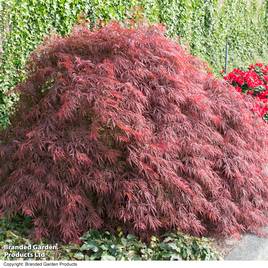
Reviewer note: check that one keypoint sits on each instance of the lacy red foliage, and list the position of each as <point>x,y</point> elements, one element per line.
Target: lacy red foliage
<point>123,127</point>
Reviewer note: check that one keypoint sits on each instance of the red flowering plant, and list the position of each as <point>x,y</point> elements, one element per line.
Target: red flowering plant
<point>253,81</point>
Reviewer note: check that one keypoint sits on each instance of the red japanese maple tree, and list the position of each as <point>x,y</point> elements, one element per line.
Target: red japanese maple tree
<point>122,127</point>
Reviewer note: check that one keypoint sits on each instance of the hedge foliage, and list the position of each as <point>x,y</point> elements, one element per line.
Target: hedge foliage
<point>203,25</point>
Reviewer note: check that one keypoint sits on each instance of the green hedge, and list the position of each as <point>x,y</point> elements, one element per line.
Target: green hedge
<point>203,25</point>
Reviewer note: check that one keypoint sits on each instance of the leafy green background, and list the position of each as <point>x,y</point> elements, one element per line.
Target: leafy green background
<point>204,26</point>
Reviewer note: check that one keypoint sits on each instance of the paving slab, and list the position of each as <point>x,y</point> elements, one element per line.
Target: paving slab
<point>251,247</point>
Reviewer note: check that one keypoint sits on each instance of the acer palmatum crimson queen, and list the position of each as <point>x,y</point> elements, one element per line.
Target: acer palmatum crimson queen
<point>122,127</point>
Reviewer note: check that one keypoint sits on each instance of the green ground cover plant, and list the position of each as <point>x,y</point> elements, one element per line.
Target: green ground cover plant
<point>96,245</point>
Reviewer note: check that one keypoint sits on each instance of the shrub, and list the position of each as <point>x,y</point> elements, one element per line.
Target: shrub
<point>123,127</point>
<point>252,81</point>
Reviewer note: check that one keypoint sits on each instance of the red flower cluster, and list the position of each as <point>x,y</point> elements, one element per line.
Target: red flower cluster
<point>253,81</point>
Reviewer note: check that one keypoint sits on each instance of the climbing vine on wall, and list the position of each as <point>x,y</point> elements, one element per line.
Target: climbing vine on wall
<point>26,23</point>
<point>203,25</point>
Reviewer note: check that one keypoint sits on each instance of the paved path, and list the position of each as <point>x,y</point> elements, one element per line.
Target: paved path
<point>250,247</point>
